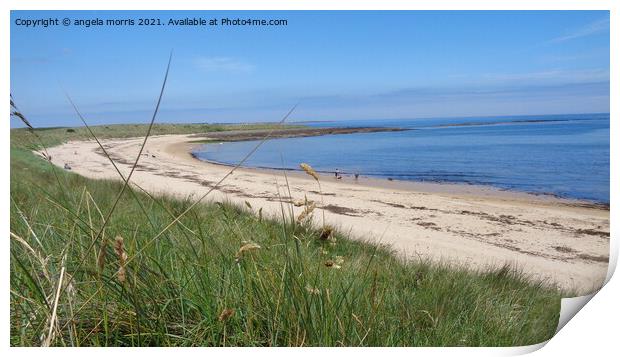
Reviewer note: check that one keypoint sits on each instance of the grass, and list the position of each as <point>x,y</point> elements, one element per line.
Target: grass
<point>227,276</point>
<point>57,135</point>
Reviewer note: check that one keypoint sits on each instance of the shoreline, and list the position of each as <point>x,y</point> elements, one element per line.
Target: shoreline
<point>557,241</point>
<point>430,186</point>
<point>376,181</point>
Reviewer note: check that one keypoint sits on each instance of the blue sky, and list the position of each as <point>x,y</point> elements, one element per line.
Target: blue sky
<point>337,65</point>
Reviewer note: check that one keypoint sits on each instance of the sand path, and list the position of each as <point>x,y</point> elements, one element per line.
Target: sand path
<point>560,241</point>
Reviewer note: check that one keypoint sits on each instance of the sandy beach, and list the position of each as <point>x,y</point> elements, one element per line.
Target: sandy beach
<point>558,241</point>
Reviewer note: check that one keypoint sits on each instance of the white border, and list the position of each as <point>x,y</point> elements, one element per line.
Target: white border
<point>591,332</point>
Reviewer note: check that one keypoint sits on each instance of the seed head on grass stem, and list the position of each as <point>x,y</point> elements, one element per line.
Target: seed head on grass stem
<point>102,254</point>
<point>309,170</point>
<point>246,248</point>
<point>306,213</point>
<point>226,314</point>
<point>122,258</point>
<point>16,113</point>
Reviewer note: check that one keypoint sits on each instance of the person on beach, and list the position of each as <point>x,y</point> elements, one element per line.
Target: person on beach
<point>337,173</point>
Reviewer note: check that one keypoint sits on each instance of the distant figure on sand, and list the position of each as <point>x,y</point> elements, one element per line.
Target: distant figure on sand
<point>337,173</point>
<point>357,175</point>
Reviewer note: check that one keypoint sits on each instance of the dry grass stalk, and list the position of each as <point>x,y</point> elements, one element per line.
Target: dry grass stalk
<point>309,170</point>
<point>122,258</point>
<point>42,261</point>
<point>306,213</point>
<point>121,271</point>
<point>304,202</point>
<point>50,335</point>
<point>16,113</point>
<point>226,314</point>
<point>102,255</point>
<point>245,248</point>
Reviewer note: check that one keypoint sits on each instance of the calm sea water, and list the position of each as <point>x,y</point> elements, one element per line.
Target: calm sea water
<point>565,155</point>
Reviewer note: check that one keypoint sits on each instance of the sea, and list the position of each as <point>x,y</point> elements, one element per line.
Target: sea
<point>562,155</point>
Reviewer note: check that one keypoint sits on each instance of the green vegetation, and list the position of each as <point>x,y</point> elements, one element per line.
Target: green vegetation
<point>227,275</point>
<point>57,135</point>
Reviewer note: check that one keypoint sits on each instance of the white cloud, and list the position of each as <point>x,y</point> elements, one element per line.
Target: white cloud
<point>590,29</point>
<point>222,64</point>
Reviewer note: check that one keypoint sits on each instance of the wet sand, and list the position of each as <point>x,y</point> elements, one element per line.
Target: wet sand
<point>557,241</point>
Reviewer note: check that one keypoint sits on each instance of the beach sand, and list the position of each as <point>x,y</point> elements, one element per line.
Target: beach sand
<point>557,241</point>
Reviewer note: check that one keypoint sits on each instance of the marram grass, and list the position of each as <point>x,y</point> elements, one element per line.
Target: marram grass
<point>223,276</point>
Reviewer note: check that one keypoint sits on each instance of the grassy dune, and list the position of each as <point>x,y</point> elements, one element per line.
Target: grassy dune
<point>227,275</point>
<point>56,135</point>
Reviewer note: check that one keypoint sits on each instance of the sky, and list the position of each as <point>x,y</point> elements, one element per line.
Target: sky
<point>337,65</point>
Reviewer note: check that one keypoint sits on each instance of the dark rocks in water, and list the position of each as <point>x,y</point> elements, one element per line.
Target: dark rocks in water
<point>259,134</point>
